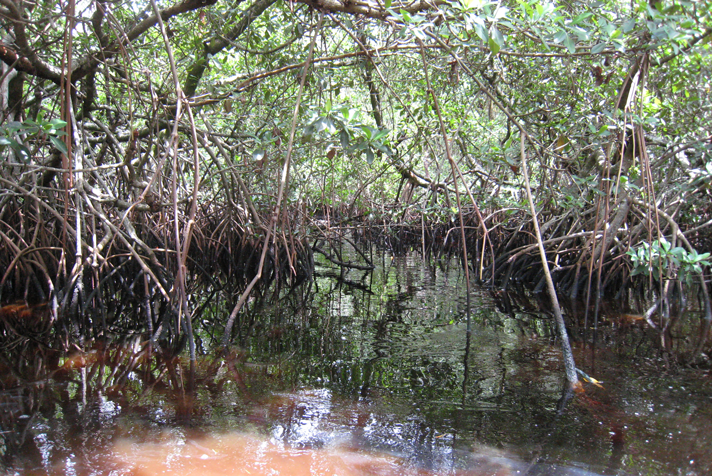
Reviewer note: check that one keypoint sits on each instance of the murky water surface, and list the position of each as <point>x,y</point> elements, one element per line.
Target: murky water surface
<point>375,376</point>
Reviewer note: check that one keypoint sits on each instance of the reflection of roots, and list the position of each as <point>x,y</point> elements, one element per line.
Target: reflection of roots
<point>20,319</point>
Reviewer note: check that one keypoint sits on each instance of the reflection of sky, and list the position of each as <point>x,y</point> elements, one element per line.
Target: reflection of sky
<point>108,408</point>
<point>304,420</point>
<point>44,445</point>
<point>343,306</point>
<point>317,419</point>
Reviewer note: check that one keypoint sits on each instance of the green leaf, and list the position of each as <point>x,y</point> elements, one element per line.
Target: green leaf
<point>497,35</point>
<point>14,126</point>
<point>598,48</point>
<point>628,26</point>
<point>59,144</point>
<point>665,245</point>
<point>383,148</point>
<point>581,33</point>
<point>381,134</point>
<point>570,45</point>
<point>470,4</point>
<point>344,139</point>
<point>23,153</point>
<point>496,40</point>
<point>481,31</point>
<point>58,123</point>
<point>369,156</point>
<point>388,4</point>
<point>678,251</point>
<point>560,36</point>
<point>581,17</point>
<point>500,13</point>
<point>320,124</point>
<point>419,33</point>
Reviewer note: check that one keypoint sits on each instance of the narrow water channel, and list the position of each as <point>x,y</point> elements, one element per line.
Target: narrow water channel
<point>370,373</point>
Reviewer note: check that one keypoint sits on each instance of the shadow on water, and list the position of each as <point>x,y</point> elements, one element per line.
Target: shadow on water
<point>379,377</point>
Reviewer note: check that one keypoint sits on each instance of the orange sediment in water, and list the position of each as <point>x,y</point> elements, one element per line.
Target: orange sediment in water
<point>242,454</point>
<point>249,455</point>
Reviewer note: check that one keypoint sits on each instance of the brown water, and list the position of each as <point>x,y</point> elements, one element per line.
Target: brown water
<point>374,378</point>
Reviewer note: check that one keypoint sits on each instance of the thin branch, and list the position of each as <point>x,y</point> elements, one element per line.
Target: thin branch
<point>26,58</point>
<point>371,9</point>
<point>569,363</point>
<point>92,59</point>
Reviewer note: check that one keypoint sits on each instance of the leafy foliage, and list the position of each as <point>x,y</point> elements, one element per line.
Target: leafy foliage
<point>613,99</point>
<point>661,260</point>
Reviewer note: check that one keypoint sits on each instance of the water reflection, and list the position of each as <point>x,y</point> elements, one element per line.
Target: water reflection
<point>313,434</point>
<point>376,379</point>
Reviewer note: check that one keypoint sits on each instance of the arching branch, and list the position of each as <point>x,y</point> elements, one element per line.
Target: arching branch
<point>217,44</point>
